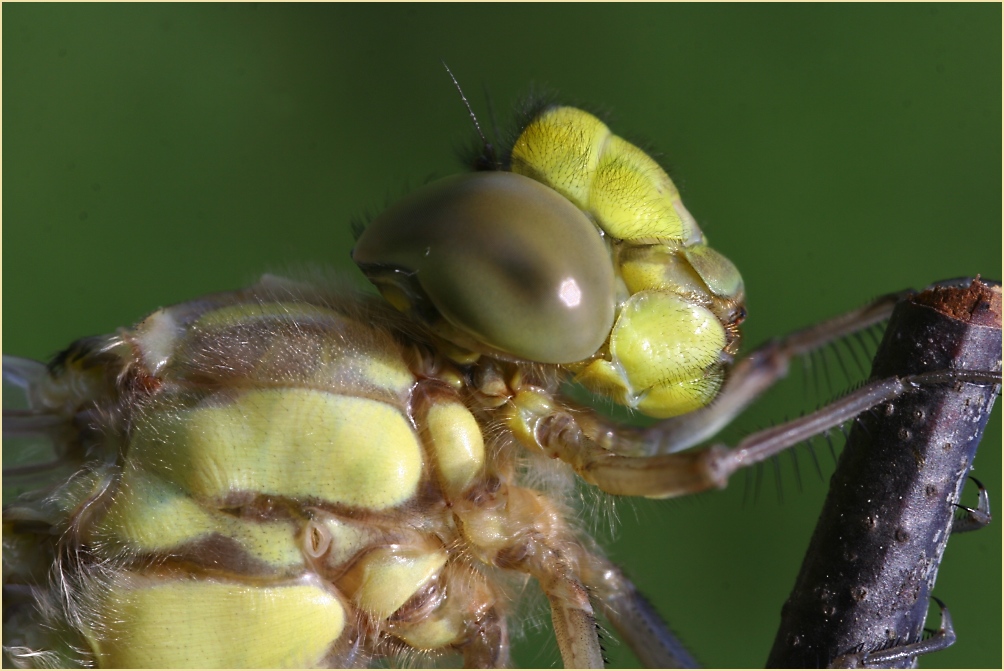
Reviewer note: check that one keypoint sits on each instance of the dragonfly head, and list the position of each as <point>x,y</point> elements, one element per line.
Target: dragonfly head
<point>581,255</point>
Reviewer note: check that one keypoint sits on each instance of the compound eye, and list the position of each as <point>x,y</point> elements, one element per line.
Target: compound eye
<point>507,261</point>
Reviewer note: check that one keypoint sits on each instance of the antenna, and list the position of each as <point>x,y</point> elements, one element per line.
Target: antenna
<point>489,154</point>
<point>491,113</point>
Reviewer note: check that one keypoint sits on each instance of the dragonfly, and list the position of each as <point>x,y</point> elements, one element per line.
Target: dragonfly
<point>301,474</point>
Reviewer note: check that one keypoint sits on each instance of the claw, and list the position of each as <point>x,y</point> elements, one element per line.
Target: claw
<point>943,638</point>
<point>973,519</point>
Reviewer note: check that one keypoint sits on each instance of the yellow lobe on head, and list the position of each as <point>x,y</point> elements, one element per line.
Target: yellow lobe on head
<point>664,356</point>
<point>659,267</point>
<point>719,274</point>
<point>661,337</point>
<point>561,148</point>
<point>626,192</point>
<point>633,196</point>
<point>679,397</point>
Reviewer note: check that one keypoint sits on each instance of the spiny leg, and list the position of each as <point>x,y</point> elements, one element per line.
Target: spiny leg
<point>638,624</point>
<point>632,461</point>
<point>669,475</point>
<point>943,638</point>
<point>750,377</point>
<point>571,611</point>
<point>612,462</point>
<point>876,550</point>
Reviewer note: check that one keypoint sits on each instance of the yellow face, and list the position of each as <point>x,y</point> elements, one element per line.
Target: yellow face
<point>582,254</point>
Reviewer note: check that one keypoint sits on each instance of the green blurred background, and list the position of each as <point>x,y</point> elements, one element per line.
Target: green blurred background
<point>153,153</point>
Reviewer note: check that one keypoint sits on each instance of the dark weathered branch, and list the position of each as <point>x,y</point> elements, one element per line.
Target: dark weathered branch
<point>867,576</point>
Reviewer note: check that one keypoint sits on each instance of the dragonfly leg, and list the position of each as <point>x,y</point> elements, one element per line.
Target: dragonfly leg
<point>488,648</point>
<point>750,377</point>
<point>974,518</point>
<point>943,638</point>
<point>518,529</point>
<point>676,474</point>
<point>634,618</point>
<point>571,612</point>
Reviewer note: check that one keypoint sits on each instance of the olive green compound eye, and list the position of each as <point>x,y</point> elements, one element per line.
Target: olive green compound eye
<point>495,259</point>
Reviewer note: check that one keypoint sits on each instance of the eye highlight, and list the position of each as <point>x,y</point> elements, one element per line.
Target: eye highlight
<point>496,259</point>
